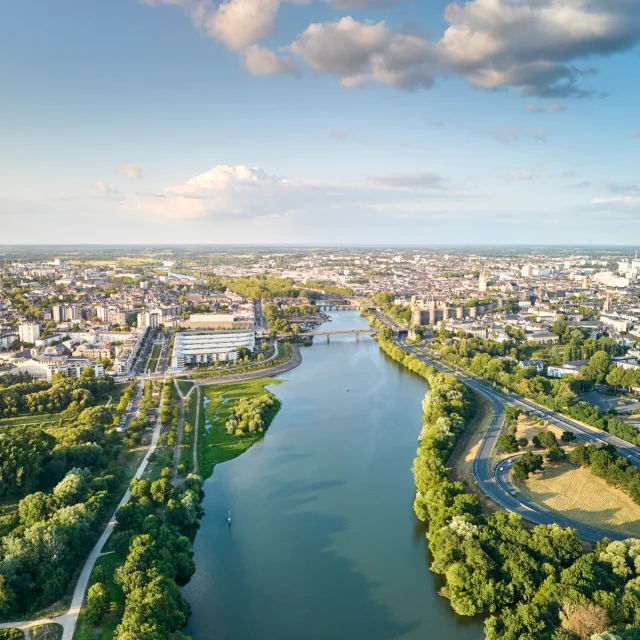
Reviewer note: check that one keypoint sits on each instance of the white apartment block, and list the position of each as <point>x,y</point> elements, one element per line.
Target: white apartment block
<point>207,347</point>
<point>43,368</point>
<point>150,319</point>
<point>29,332</point>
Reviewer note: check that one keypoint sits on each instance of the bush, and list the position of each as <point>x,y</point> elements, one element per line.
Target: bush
<point>545,440</point>
<point>556,453</point>
<point>567,436</point>
<point>508,443</point>
<point>98,603</point>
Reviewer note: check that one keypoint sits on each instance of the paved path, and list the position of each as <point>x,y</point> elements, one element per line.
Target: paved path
<point>196,428</point>
<point>69,620</point>
<point>494,482</point>
<point>180,429</point>
<point>292,363</point>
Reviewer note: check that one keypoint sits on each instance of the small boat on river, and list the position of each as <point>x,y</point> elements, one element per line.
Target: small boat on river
<point>229,518</point>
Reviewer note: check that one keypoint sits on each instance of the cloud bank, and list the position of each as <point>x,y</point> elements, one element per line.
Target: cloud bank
<point>537,47</point>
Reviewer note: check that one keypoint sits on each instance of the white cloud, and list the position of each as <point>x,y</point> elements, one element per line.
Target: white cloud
<point>622,200</point>
<point>357,52</point>
<point>534,46</point>
<point>131,171</point>
<point>363,4</point>
<point>261,61</point>
<point>239,23</point>
<point>634,134</point>
<point>418,180</point>
<point>105,191</point>
<point>249,192</point>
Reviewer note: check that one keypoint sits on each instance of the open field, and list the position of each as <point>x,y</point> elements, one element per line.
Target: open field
<point>528,428</point>
<point>215,445</point>
<point>577,494</point>
<point>30,419</point>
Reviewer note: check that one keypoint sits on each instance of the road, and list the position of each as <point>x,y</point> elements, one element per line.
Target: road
<point>69,620</point>
<point>496,483</point>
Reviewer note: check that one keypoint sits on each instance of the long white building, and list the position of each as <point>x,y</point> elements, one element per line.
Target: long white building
<point>211,346</point>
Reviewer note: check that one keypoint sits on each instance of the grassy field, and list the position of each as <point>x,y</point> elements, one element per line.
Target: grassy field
<point>214,444</point>
<point>36,419</point>
<point>185,386</point>
<point>104,631</point>
<point>154,357</point>
<point>577,494</point>
<point>186,452</point>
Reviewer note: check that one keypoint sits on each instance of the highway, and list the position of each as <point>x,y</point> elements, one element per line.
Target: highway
<point>496,483</point>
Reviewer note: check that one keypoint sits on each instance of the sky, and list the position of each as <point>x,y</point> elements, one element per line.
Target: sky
<point>319,121</point>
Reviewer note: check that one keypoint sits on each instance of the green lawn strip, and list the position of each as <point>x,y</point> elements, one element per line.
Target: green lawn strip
<point>186,452</point>
<point>215,445</point>
<point>30,419</point>
<point>105,629</point>
<point>185,386</point>
<point>154,357</point>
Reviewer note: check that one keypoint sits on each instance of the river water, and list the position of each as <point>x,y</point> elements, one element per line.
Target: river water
<point>324,542</point>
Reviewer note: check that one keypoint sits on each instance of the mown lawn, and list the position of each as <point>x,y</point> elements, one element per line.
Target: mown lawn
<point>30,419</point>
<point>104,630</point>
<point>577,494</point>
<point>185,386</point>
<point>215,445</point>
<point>186,452</point>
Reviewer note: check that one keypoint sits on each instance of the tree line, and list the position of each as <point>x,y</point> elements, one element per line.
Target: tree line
<point>150,532</point>
<point>537,583</point>
<point>560,395</point>
<point>38,397</point>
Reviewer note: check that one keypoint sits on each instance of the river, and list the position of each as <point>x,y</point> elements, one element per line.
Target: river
<point>324,542</point>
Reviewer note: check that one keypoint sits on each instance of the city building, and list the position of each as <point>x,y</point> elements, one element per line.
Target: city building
<point>219,321</point>
<point>150,319</point>
<point>217,346</point>
<point>29,332</point>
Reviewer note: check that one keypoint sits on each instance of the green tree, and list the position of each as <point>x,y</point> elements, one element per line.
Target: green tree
<point>161,490</point>
<point>508,443</point>
<point>36,507</point>
<point>98,602</point>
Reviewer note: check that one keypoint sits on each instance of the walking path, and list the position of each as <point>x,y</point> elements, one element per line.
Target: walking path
<point>69,620</point>
<point>292,363</point>
<point>180,429</point>
<point>196,428</point>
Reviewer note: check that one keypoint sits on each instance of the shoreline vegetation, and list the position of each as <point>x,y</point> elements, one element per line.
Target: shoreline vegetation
<point>215,444</point>
<point>537,584</point>
<point>135,590</point>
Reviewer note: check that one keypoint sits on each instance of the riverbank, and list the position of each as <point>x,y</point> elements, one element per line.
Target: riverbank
<point>215,445</point>
<point>294,361</point>
<point>317,505</point>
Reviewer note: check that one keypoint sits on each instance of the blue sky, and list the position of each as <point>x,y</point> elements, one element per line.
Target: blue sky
<point>502,121</point>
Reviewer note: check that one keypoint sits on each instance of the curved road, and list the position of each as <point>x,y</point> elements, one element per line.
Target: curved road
<point>496,483</point>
